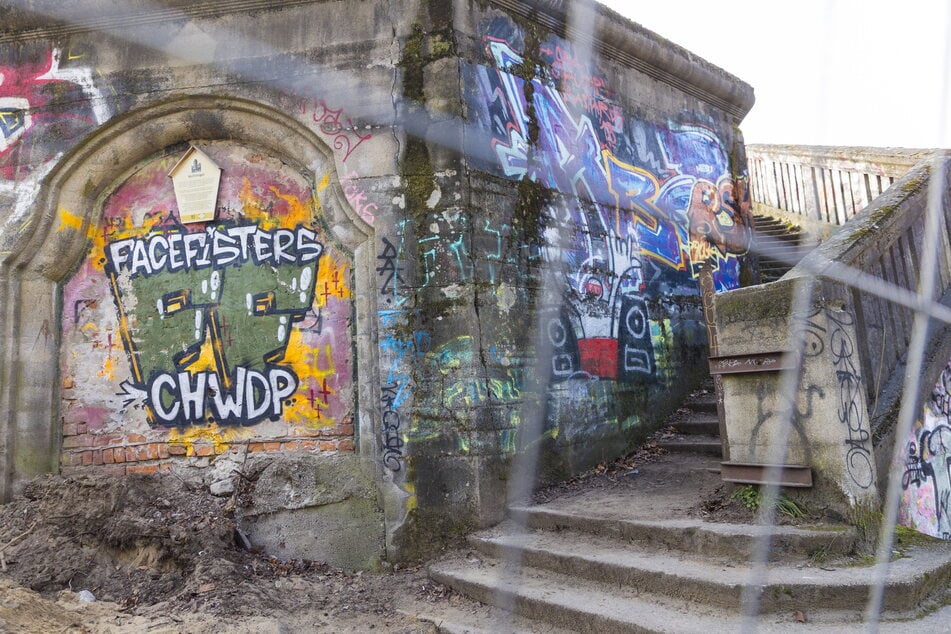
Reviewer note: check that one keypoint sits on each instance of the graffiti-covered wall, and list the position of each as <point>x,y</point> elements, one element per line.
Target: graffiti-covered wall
<point>435,227</point>
<point>49,99</point>
<point>183,338</point>
<point>563,281</point>
<point>926,482</point>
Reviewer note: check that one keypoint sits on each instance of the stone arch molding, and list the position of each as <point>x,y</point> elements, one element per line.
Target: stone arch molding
<point>56,241</point>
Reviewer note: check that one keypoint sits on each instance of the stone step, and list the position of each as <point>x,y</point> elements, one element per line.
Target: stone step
<point>702,402</point>
<point>694,536</point>
<point>705,444</point>
<point>787,257</point>
<point>568,602</point>
<point>778,233</point>
<point>696,424</point>
<point>583,605</point>
<point>720,584</point>
<point>778,250</point>
<point>471,618</point>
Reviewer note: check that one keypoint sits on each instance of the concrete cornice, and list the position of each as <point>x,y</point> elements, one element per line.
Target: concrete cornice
<point>615,37</point>
<point>631,44</point>
<point>45,19</point>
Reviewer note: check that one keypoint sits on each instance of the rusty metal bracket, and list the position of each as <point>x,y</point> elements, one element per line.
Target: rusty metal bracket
<point>747,363</point>
<point>799,476</point>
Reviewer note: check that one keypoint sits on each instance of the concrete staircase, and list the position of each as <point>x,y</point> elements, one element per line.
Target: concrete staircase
<point>778,244</point>
<point>621,560</point>
<point>696,426</point>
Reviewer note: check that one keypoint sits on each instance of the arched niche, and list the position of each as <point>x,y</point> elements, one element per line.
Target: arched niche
<point>69,207</point>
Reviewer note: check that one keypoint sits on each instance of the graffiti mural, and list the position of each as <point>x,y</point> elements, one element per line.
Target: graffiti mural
<point>49,98</point>
<point>343,134</point>
<point>926,500</point>
<point>646,206</point>
<point>851,396</point>
<point>400,348</point>
<point>231,322</point>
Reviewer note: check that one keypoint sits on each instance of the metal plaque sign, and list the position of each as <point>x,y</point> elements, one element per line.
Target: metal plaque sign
<point>195,178</point>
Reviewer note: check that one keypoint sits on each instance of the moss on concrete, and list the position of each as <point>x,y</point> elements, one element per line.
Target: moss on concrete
<point>419,177</point>
<point>412,63</point>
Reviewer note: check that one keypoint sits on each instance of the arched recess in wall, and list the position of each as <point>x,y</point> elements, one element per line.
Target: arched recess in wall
<point>72,201</point>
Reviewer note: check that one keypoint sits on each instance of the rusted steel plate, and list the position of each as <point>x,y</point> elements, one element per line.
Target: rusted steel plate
<point>799,476</point>
<point>745,363</point>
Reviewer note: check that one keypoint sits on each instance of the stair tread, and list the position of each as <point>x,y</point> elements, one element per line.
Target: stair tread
<point>605,551</point>
<point>697,417</point>
<point>583,605</point>
<point>723,528</point>
<point>689,441</point>
<point>586,606</point>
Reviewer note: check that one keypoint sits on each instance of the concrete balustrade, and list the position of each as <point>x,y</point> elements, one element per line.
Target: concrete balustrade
<point>821,183</point>
<point>853,343</point>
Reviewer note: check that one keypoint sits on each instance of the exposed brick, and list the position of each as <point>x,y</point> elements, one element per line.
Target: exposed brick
<point>81,428</point>
<point>308,445</point>
<point>177,450</point>
<point>69,429</point>
<point>152,451</point>
<point>103,440</point>
<point>87,458</point>
<point>163,451</point>
<point>345,444</point>
<point>292,445</point>
<point>74,442</point>
<point>346,429</point>
<point>108,457</point>
<point>131,455</point>
<point>272,446</point>
<point>71,459</point>
<point>204,450</point>
<point>256,446</point>
<point>112,469</point>
<point>118,454</point>
<point>135,438</point>
<point>327,445</point>
<point>142,468</point>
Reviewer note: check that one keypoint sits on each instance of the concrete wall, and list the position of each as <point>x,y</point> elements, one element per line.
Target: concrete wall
<point>482,227</point>
<point>853,339</point>
<point>926,467</point>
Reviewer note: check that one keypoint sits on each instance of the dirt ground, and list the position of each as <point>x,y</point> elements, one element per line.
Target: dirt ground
<point>160,556</point>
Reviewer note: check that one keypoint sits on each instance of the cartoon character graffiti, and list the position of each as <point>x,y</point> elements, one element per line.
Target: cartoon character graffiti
<point>238,285</point>
<point>233,322</point>
<point>47,100</point>
<point>926,502</point>
<point>645,205</point>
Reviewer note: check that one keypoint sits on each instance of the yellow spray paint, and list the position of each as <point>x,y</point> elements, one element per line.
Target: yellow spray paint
<point>220,438</point>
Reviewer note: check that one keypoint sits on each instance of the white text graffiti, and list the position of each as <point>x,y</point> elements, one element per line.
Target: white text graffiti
<point>188,398</point>
<point>216,247</point>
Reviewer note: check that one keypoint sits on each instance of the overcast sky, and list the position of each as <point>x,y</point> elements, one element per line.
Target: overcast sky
<point>827,72</point>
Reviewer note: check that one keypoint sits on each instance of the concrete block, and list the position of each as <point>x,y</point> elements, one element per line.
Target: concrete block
<point>348,534</point>
<point>322,507</point>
